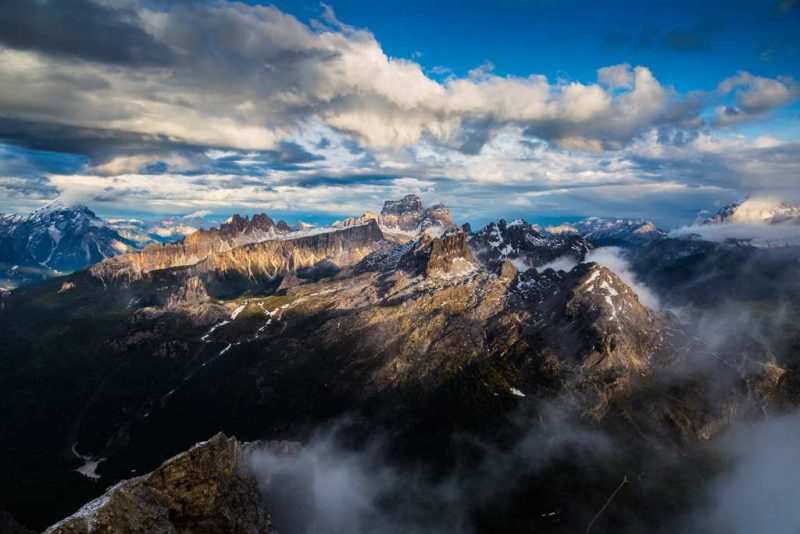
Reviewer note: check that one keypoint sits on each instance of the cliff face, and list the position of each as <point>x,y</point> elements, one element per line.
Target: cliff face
<point>355,221</point>
<point>236,232</point>
<point>406,218</point>
<point>269,259</point>
<point>441,256</point>
<point>209,488</point>
<point>404,214</point>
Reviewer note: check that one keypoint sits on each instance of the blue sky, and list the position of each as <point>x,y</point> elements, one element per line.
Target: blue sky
<point>544,109</point>
<point>689,44</point>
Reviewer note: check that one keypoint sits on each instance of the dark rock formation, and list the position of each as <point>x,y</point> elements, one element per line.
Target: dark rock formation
<point>518,240</point>
<point>595,320</point>
<point>440,256</point>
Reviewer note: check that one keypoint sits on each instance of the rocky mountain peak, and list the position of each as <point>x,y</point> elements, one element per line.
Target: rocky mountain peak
<point>259,223</point>
<point>57,237</point>
<point>519,242</point>
<point>608,231</point>
<point>407,217</point>
<point>234,224</point>
<point>409,205</point>
<point>60,211</point>
<point>444,256</point>
<point>263,221</point>
<point>593,318</point>
<point>622,330</point>
<point>355,221</point>
<point>60,205</point>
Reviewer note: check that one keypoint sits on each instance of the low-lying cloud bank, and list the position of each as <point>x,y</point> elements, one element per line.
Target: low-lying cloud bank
<point>758,490</point>
<point>325,488</point>
<point>787,233</point>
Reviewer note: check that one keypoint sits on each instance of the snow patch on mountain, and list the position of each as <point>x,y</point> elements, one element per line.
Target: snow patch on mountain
<point>613,259</point>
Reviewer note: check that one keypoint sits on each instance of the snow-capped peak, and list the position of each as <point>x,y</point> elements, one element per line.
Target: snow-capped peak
<point>58,205</point>
<point>757,210</point>
<point>58,237</point>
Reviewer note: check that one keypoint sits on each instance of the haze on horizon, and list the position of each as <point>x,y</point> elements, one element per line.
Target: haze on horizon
<point>538,109</point>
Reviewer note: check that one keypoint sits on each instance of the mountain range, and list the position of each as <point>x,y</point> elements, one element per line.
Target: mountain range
<point>60,238</point>
<point>427,348</point>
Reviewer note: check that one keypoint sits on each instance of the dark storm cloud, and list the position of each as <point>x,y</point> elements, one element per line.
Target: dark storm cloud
<point>79,29</point>
<point>329,180</point>
<point>474,134</point>
<point>30,188</point>
<point>99,144</point>
<point>22,162</point>
<point>746,169</point>
<point>289,152</point>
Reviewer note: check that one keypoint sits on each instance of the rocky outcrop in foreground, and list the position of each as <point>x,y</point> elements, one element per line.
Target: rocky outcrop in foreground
<point>209,488</point>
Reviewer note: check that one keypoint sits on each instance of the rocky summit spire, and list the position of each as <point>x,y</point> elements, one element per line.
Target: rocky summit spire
<point>408,218</point>
<point>444,256</point>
